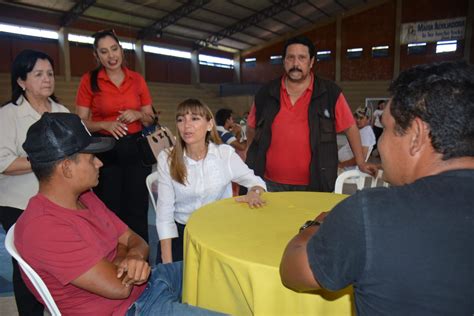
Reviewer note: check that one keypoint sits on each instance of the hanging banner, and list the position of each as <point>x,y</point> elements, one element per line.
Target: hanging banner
<point>433,31</point>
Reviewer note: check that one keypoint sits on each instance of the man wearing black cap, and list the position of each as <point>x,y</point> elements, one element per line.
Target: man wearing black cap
<point>91,262</point>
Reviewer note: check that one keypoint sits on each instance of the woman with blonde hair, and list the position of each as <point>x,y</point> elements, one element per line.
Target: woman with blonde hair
<point>198,170</point>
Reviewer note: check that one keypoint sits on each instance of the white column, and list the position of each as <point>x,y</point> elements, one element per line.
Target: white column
<point>140,65</point>
<point>396,48</point>
<point>64,55</point>
<point>195,75</point>
<point>468,33</point>
<point>338,47</point>
<point>237,74</point>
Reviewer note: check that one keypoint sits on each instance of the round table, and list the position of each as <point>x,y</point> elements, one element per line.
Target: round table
<point>232,256</point>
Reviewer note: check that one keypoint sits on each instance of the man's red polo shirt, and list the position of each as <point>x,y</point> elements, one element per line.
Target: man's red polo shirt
<point>289,154</point>
<point>105,105</point>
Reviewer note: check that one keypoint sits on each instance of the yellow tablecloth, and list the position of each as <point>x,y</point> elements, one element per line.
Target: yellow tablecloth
<point>232,256</point>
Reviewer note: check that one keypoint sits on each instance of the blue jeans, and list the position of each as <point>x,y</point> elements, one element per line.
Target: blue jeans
<point>162,295</point>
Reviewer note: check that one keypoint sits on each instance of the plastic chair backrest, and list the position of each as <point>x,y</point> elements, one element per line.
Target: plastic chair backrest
<point>369,151</point>
<point>152,178</point>
<point>358,178</point>
<point>31,274</point>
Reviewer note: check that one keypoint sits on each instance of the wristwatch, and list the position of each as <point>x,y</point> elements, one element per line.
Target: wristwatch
<point>308,224</point>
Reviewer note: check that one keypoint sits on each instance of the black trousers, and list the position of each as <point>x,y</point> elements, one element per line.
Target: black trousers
<point>377,131</point>
<point>26,302</point>
<point>177,245</point>
<point>122,184</point>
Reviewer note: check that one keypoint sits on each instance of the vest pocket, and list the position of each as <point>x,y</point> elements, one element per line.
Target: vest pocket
<point>327,130</point>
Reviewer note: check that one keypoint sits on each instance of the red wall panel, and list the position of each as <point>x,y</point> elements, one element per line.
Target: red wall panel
<point>373,27</point>
<point>324,38</point>
<point>215,74</point>
<point>426,10</point>
<point>263,71</point>
<point>82,59</point>
<point>13,44</point>
<point>167,69</point>
<point>430,56</point>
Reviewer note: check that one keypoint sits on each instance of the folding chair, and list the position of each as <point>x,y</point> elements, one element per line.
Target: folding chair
<point>31,274</point>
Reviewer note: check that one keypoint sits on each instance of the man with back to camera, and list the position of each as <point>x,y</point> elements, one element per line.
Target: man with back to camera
<point>91,262</point>
<point>408,249</point>
<point>293,123</point>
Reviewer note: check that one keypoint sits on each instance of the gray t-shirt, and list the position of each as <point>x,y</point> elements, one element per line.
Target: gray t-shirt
<point>407,250</point>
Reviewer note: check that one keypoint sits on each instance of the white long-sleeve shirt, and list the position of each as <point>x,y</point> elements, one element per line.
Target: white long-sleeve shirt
<point>208,180</point>
<point>15,120</point>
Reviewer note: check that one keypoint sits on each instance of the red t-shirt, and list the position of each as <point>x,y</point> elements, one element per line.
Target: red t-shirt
<point>105,105</point>
<point>61,244</point>
<point>289,154</point>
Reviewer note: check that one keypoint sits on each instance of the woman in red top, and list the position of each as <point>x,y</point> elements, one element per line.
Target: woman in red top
<point>114,101</point>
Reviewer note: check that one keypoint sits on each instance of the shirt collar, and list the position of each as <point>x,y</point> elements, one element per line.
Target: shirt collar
<point>104,76</point>
<point>309,88</point>
<point>212,151</point>
<point>220,129</point>
<point>25,108</point>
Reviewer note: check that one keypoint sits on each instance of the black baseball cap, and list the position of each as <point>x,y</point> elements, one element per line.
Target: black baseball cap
<point>58,135</point>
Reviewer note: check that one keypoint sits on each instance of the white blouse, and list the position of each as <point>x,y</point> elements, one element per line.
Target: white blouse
<point>208,180</point>
<point>15,120</point>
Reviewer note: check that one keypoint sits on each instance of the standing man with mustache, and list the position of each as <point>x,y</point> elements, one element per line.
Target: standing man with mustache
<point>293,123</point>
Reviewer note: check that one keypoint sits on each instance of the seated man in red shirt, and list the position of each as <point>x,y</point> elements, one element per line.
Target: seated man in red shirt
<point>91,262</point>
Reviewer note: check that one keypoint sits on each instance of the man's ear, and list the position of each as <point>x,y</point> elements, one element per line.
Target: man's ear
<point>419,135</point>
<point>66,168</point>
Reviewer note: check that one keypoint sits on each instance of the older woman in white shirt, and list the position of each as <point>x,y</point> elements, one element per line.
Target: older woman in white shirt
<point>32,81</point>
<point>197,171</point>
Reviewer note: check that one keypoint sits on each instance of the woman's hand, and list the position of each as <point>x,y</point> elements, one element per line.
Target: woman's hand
<point>116,128</point>
<point>129,116</point>
<point>252,198</point>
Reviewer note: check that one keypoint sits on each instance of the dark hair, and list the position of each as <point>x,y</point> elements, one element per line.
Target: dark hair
<point>222,115</point>
<point>442,95</point>
<point>97,37</point>
<point>44,170</point>
<point>381,102</point>
<point>22,65</point>
<point>303,40</point>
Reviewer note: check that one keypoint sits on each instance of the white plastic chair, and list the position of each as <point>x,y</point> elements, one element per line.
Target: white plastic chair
<point>369,151</point>
<point>358,178</point>
<point>152,178</point>
<point>32,275</point>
